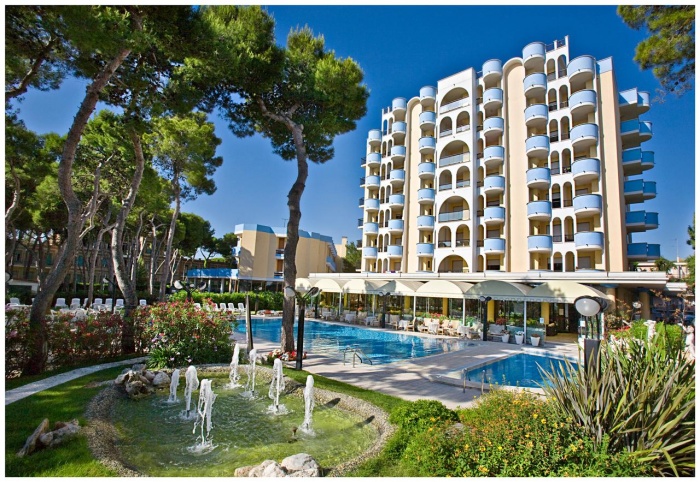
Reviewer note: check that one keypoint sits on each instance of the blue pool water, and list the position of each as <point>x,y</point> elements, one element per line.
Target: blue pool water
<point>518,370</point>
<point>380,346</point>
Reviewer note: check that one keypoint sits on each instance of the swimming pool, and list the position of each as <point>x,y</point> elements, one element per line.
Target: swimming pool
<point>517,370</point>
<point>380,346</point>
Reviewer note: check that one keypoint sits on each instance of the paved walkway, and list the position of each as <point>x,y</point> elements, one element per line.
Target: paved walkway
<point>35,387</point>
<point>435,377</point>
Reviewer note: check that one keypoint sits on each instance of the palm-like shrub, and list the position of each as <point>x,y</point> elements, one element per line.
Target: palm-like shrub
<point>640,396</point>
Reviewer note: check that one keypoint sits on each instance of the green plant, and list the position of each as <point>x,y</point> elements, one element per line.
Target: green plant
<point>639,393</point>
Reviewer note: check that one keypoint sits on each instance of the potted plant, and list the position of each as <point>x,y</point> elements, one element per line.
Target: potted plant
<point>519,337</point>
<point>505,336</point>
<point>535,339</point>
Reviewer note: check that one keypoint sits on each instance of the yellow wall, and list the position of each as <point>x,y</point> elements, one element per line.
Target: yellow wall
<point>411,186</point>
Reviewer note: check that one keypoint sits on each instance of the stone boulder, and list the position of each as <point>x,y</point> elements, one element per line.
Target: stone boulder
<point>42,438</point>
<point>299,465</point>
<point>161,379</point>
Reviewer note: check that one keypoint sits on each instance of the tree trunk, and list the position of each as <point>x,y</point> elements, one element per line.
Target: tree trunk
<point>39,349</point>
<point>171,235</point>
<point>127,287</point>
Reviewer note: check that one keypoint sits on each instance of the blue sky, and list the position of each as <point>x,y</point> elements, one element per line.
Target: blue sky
<point>401,49</point>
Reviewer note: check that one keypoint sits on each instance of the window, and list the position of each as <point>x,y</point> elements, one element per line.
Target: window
<point>584,227</point>
<point>493,233</point>
<point>584,263</point>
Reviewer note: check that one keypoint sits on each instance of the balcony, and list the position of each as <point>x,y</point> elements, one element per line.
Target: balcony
<point>539,178</point>
<point>425,222</point>
<point>533,55</point>
<point>493,127</point>
<point>539,244</point>
<point>635,132</point>
<point>639,221</point>
<point>494,184</point>
<point>426,145</point>
<point>370,181</point>
<point>369,253</point>
<point>638,191</point>
<point>643,251</point>
<point>278,274</point>
<point>583,136</point>
<point>426,170</point>
<point>373,159</point>
<point>395,225</point>
<point>586,204</point>
<point>398,105</point>
<point>398,131</point>
<point>581,69</point>
<point>331,263</point>
<point>455,104</point>
<point>535,85</point>
<point>493,156</point>
<point>494,215</point>
<point>397,177</point>
<point>635,161</point>
<point>586,170</point>
<point>539,211</point>
<point>427,95</point>
<point>462,183</point>
<point>425,250</point>
<point>450,160</point>
<point>633,103</point>
<point>493,98</point>
<point>371,228</point>
<point>396,201</point>
<point>374,137</point>
<point>398,153</point>
<point>492,70</point>
<point>588,241</point>
<point>536,115</point>
<point>426,196</point>
<point>583,102</point>
<point>453,216</point>
<point>394,251</point>
<point>494,246</point>
<point>371,205</point>
<point>537,146</point>
<point>426,120</point>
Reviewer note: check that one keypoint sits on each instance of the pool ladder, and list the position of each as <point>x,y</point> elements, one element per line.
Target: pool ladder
<point>356,353</point>
<point>465,377</point>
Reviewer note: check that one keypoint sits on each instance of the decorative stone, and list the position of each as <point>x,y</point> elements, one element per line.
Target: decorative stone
<point>30,444</point>
<point>161,379</point>
<point>123,377</point>
<point>149,375</point>
<point>243,471</point>
<point>260,469</point>
<point>298,462</point>
<point>58,436</point>
<point>139,367</point>
<point>274,470</point>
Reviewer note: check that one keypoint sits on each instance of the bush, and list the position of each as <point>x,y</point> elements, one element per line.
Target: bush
<point>509,434</point>
<point>642,397</point>
<point>177,334</point>
<point>266,300</point>
<point>413,418</point>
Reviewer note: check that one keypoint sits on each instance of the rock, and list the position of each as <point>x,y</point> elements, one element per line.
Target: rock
<point>305,473</point>
<point>139,367</point>
<point>274,470</point>
<point>161,379</point>
<point>137,389</point>
<point>243,471</point>
<point>122,378</point>
<point>258,471</point>
<point>30,444</point>
<point>143,379</point>
<point>295,463</point>
<point>149,375</point>
<point>57,437</point>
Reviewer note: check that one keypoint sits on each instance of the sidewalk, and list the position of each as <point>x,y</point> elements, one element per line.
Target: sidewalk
<point>35,387</point>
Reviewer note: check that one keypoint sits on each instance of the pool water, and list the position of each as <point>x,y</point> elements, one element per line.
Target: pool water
<point>520,370</point>
<point>380,346</point>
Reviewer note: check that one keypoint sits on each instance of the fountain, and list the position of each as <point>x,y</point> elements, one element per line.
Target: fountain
<point>191,384</point>
<point>233,375</point>
<point>276,387</point>
<point>174,381</point>
<point>308,405</point>
<point>206,400</point>
<point>250,384</point>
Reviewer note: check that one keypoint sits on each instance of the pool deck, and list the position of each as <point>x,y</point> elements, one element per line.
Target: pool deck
<point>432,377</point>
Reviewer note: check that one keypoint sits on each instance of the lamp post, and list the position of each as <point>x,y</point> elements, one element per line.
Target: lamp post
<point>636,305</point>
<point>112,285</point>
<point>382,321</point>
<point>484,321</point>
<point>591,307</point>
<point>301,298</point>
<point>178,285</point>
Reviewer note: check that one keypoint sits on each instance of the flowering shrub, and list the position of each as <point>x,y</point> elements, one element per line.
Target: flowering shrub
<point>284,356</point>
<point>17,341</point>
<point>177,334</point>
<point>500,321</point>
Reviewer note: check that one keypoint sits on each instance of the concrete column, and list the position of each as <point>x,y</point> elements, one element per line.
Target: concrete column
<point>491,310</point>
<point>645,300</point>
<point>544,311</point>
<point>445,307</point>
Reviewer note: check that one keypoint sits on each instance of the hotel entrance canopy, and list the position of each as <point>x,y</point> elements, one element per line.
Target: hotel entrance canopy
<point>562,292</point>
<point>364,287</point>
<point>401,288</point>
<point>498,290</point>
<point>443,289</point>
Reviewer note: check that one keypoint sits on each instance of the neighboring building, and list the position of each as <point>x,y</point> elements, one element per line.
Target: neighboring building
<point>260,259</point>
<point>533,164</point>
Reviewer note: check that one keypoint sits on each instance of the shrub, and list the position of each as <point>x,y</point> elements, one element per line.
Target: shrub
<point>642,397</point>
<point>178,334</point>
<point>413,418</point>
<point>266,300</point>
<point>509,434</point>
<point>17,341</point>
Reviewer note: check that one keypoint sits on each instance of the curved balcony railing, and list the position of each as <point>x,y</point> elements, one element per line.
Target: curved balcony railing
<point>427,94</point>
<point>426,195</point>
<point>539,177</point>
<point>426,120</point>
<point>371,228</point>
<point>373,159</point>
<point>494,184</point>
<point>396,200</point>
<point>643,251</point>
<point>398,129</point>
<point>425,249</point>
<point>493,97</point>
<point>586,169</point>
<point>372,181</point>
<point>426,170</point>
<point>398,104</point>
<point>493,154</point>
<point>536,114</point>
<point>394,251</point>
<point>374,136</point>
<point>398,152</point>
<point>635,161</point>
<point>537,145</point>
<point>494,215</point>
<point>639,190</point>
<point>588,204</point>
<point>369,252</point>
<point>494,245</point>
<point>539,210</point>
<point>588,240</point>
<point>535,83</point>
<point>492,69</point>
<point>584,135</point>
<point>534,51</point>
<point>637,221</point>
<point>371,204</point>
<point>539,244</point>
<point>450,160</point>
<point>397,175</point>
<point>425,222</point>
<point>493,125</point>
<point>395,225</point>
<point>426,145</point>
<point>583,101</point>
<point>582,67</point>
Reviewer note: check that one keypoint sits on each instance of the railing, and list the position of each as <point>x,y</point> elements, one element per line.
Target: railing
<point>444,244</point>
<point>445,133</point>
<point>565,135</point>
<point>463,128</point>
<point>479,212</point>
<point>466,183</point>
<point>563,103</point>
<point>479,243</point>
<point>278,274</point>
<point>279,251</point>
<point>552,76</point>
<point>450,160</point>
<point>552,106</point>
<point>362,201</point>
<point>569,238</point>
<point>358,243</point>
<point>554,136</point>
<point>362,181</point>
<point>454,104</point>
<point>444,187</point>
<point>359,223</point>
<point>453,216</point>
<point>556,238</point>
<point>461,243</point>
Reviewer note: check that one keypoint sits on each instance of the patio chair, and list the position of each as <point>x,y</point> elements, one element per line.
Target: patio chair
<point>14,302</point>
<point>97,302</point>
<point>143,303</point>
<point>222,307</point>
<point>60,303</point>
<point>424,327</point>
<point>241,307</point>
<point>198,306</point>
<point>85,303</point>
<point>232,308</point>
<point>410,324</point>
<point>120,304</point>
<point>393,322</point>
<point>452,328</point>
<point>475,331</point>
<point>74,303</point>
<point>80,315</point>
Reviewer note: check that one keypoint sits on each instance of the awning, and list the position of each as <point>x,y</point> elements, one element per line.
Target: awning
<point>443,289</point>
<point>364,287</point>
<point>562,292</point>
<point>499,290</point>
<point>401,288</point>
<point>302,285</point>
<point>329,285</point>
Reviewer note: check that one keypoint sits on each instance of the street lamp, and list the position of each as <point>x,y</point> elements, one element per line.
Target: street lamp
<point>301,298</point>
<point>591,306</point>
<point>382,321</point>
<point>188,288</point>
<point>636,305</point>
<point>113,285</point>
<point>484,320</point>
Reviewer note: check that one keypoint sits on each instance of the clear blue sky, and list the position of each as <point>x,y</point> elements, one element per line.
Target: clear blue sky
<point>401,49</point>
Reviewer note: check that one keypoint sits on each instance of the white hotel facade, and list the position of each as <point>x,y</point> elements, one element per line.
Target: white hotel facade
<point>529,169</point>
